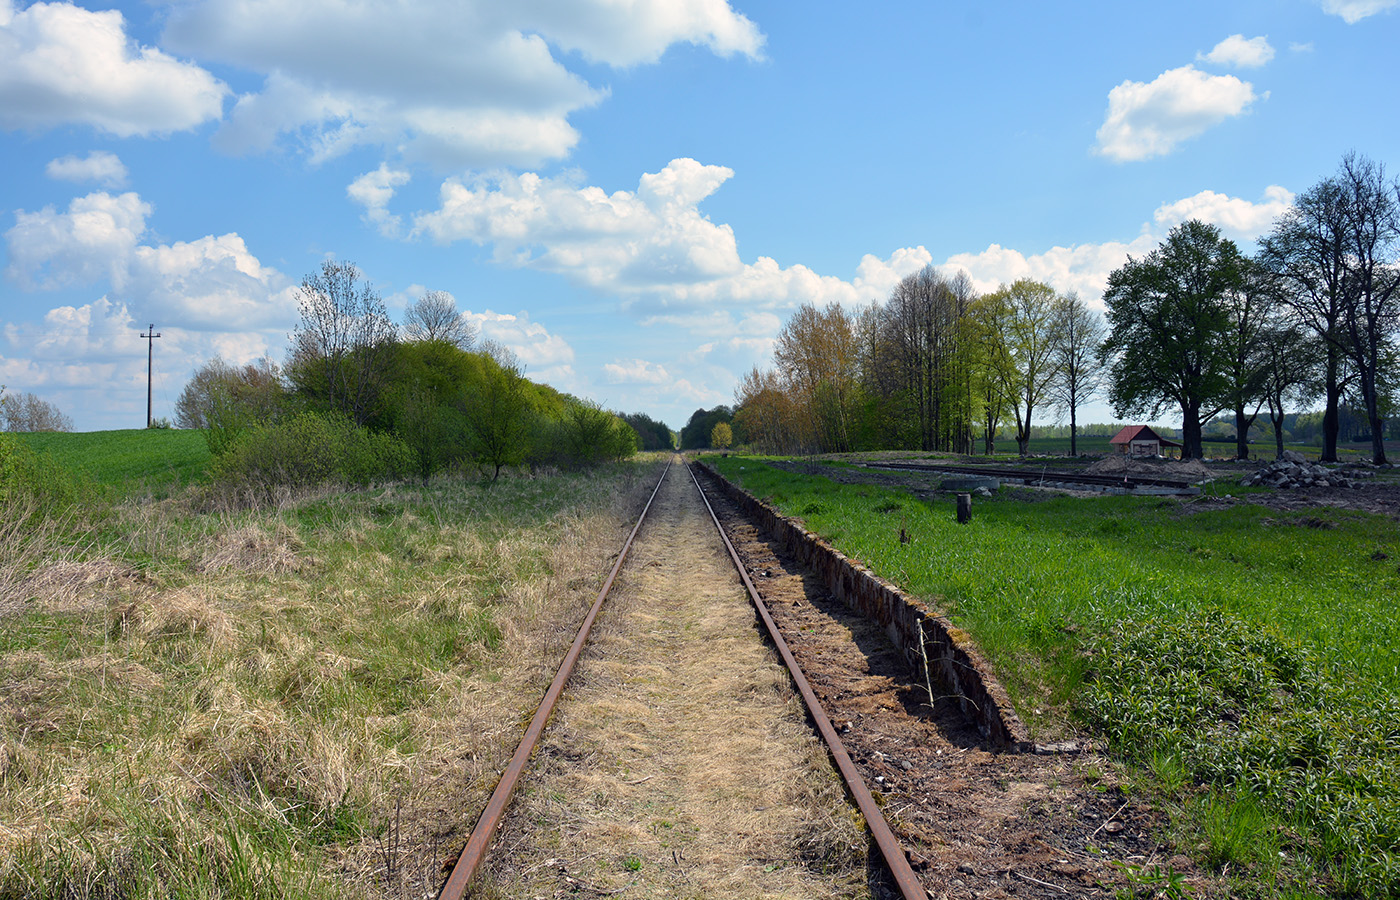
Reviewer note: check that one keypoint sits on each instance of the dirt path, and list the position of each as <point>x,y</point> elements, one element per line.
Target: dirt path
<point>679,763</point>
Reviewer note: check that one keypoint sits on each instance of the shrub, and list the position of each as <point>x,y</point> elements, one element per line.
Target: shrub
<point>307,450</point>
<point>32,479</point>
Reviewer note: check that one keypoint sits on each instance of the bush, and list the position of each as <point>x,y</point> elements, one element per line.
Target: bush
<point>33,479</point>
<point>308,450</point>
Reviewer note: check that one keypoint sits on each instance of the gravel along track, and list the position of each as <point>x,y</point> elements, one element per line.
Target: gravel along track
<point>975,823</point>
<point>679,762</point>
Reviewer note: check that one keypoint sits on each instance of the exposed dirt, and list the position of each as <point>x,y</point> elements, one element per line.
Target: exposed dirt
<point>977,823</point>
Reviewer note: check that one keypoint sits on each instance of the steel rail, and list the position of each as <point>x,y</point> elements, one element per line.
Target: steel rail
<point>475,851</point>
<point>895,858</point>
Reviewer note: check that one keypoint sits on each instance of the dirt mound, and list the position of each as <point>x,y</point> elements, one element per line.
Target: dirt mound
<point>1170,468</point>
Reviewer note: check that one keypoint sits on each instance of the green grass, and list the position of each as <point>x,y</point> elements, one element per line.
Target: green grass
<point>1259,648</point>
<point>157,459</point>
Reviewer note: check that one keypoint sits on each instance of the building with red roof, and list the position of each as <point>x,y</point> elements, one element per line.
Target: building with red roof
<point>1141,440</point>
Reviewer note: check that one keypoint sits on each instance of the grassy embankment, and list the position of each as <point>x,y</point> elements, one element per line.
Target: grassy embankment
<point>1250,658</point>
<point>240,704</point>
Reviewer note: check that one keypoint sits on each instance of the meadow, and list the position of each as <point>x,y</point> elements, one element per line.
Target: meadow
<point>305,699</point>
<point>1248,658</point>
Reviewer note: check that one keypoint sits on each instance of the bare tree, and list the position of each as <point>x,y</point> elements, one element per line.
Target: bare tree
<point>256,389</point>
<point>26,412</point>
<point>342,349</point>
<point>1078,331</point>
<point>1372,260</point>
<point>434,317</point>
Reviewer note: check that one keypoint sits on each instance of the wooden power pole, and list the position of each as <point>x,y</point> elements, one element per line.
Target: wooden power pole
<point>150,335</point>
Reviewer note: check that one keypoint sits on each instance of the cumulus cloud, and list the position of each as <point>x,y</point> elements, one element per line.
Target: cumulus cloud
<point>1150,119</point>
<point>1353,11</point>
<point>209,283</point>
<point>454,83</point>
<point>653,245</point>
<point>1240,52</point>
<point>547,357</point>
<point>1240,219</point>
<point>99,166</point>
<point>62,64</point>
<point>636,371</point>
<point>373,191</point>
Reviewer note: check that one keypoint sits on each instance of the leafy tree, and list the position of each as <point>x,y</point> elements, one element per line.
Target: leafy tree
<point>696,433</point>
<point>1169,323</point>
<point>1249,311</point>
<point>765,416</point>
<point>498,417</point>
<point>343,347</point>
<point>434,317</point>
<point>1292,355</point>
<point>653,435</point>
<point>225,400</point>
<point>1078,332</point>
<point>818,355</point>
<point>721,436</point>
<point>1025,326</point>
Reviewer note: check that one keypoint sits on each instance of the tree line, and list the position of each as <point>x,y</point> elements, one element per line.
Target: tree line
<point>433,397</point>
<point>1195,327</point>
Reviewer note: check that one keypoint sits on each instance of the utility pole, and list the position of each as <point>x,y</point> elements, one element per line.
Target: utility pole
<point>150,335</point>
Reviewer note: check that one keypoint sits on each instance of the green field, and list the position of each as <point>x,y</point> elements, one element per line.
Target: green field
<point>157,459</point>
<point>1250,655</point>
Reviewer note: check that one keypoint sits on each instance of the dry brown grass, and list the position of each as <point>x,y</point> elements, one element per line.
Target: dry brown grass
<point>253,694</point>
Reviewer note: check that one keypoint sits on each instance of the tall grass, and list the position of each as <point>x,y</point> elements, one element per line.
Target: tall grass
<point>1262,648</point>
<point>232,704</point>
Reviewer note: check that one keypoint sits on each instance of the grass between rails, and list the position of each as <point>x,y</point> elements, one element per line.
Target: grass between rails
<point>1249,657</point>
<point>239,705</point>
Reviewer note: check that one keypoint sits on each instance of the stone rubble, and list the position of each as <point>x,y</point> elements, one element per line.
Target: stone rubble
<point>1292,470</point>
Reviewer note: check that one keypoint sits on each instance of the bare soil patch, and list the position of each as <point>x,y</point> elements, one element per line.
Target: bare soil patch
<point>679,762</point>
<point>976,823</point>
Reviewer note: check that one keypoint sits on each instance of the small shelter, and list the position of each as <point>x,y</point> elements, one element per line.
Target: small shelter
<point>1141,440</point>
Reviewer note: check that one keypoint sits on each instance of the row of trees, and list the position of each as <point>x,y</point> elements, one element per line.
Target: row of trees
<point>450,399</point>
<point>27,412</point>
<point>1194,327</point>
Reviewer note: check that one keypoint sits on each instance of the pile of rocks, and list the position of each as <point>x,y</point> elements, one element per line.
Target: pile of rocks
<point>1293,471</point>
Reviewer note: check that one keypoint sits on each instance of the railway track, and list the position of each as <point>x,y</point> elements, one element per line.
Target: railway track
<point>894,859</point>
<point>1045,477</point>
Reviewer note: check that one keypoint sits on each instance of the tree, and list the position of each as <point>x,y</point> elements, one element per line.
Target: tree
<point>1168,326</point>
<point>1025,327</point>
<point>696,433</point>
<point>996,382</point>
<point>343,347</point>
<point>26,412</point>
<point>817,352</point>
<point>765,416</point>
<point>1078,331</point>
<point>1249,310</point>
<point>1291,359</point>
<point>497,415</point>
<point>1306,250</point>
<point>434,317</point>
<point>1372,265</point>
<point>721,436</point>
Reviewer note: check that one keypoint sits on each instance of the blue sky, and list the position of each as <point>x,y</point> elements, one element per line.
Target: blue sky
<point>633,196</point>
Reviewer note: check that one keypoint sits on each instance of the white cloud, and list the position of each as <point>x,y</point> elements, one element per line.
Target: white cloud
<point>455,83</point>
<point>93,240</point>
<point>1301,47</point>
<point>212,283</point>
<point>1239,219</point>
<point>1240,52</point>
<point>373,191</point>
<point>531,342</point>
<point>1353,11</point>
<point>1146,120</point>
<point>652,246</point>
<point>1082,268</point>
<point>61,64</point>
<point>99,166</point>
<point>636,371</point>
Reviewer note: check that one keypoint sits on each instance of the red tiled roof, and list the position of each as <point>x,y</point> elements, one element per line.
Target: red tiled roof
<point>1140,433</point>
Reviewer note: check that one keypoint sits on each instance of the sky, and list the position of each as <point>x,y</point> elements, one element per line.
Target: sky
<point>632,195</point>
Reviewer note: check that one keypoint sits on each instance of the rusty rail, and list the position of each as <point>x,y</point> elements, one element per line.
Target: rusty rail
<point>475,851</point>
<point>890,849</point>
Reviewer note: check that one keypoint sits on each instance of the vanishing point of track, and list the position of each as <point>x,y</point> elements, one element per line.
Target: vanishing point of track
<point>472,856</point>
